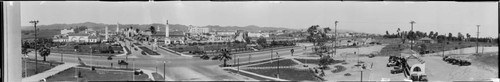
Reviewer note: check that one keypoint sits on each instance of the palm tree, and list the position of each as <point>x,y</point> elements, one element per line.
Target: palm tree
<point>225,56</point>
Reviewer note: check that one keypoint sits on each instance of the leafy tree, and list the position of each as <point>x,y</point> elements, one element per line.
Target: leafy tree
<point>468,36</point>
<point>436,35</point>
<point>386,32</point>
<point>261,41</point>
<point>153,30</point>
<point>412,35</point>
<point>137,30</point>
<point>325,60</point>
<point>327,30</point>
<point>460,36</point>
<point>25,47</point>
<point>44,52</point>
<point>431,34</point>
<point>79,29</point>
<point>399,34</point>
<point>450,36</point>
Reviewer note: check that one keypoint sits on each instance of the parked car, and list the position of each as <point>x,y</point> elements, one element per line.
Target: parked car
<point>122,62</point>
<point>393,63</point>
<point>396,70</point>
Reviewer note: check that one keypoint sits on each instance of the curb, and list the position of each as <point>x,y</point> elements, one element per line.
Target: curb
<point>175,52</point>
<point>258,75</point>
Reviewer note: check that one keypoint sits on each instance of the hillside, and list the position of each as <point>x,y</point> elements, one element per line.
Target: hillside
<point>173,27</point>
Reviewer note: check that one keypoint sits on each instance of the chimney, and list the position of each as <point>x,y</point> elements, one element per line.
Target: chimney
<point>166,30</point>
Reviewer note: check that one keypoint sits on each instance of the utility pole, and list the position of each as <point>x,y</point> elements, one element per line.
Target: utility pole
<point>238,66</point>
<point>413,34</point>
<point>164,70</point>
<point>133,75</point>
<point>61,57</point>
<point>361,75</point>
<point>36,44</point>
<point>278,75</point>
<point>334,47</point>
<point>249,57</point>
<point>477,39</point>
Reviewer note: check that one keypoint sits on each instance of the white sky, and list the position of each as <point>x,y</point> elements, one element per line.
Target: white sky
<point>370,17</point>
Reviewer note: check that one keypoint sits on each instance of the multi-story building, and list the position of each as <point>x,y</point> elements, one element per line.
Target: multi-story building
<point>257,34</point>
<point>225,33</point>
<point>197,30</point>
<point>66,31</point>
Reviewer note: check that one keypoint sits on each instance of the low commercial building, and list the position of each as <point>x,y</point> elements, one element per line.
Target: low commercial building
<point>77,37</point>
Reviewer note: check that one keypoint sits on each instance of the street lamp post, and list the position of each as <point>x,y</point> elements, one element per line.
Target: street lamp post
<point>36,44</point>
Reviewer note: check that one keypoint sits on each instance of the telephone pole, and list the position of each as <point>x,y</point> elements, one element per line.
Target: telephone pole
<point>477,39</point>
<point>334,47</point>
<point>413,34</point>
<point>36,44</point>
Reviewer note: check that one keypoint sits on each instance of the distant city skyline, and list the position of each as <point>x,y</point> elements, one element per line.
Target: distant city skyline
<point>369,17</point>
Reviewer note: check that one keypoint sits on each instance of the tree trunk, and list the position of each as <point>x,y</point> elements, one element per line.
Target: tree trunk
<point>44,58</point>
<point>225,63</point>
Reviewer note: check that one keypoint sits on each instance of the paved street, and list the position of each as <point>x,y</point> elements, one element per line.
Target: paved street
<point>177,67</point>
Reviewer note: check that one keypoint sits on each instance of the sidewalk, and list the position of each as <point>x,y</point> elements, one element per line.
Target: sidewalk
<point>48,73</point>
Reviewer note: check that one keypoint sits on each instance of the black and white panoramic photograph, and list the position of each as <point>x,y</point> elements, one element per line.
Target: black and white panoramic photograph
<point>318,41</point>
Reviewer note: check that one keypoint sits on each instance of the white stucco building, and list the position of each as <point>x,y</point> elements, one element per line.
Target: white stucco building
<point>66,31</point>
<point>197,30</point>
<point>72,37</point>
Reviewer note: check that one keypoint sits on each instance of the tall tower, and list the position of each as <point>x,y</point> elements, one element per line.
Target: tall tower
<point>106,33</point>
<point>167,40</point>
<point>166,30</point>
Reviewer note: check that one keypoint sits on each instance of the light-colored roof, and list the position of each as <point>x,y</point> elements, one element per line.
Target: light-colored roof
<point>425,38</point>
<point>77,34</point>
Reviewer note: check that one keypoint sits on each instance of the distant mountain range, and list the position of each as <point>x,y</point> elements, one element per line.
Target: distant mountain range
<point>173,27</point>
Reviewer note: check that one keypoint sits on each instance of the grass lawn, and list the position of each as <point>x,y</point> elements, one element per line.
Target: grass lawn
<point>254,62</point>
<point>286,73</point>
<point>85,49</point>
<point>436,47</point>
<point>338,69</point>
<point>249,75</point>
<point>158,77</point>
<point>42,66</point>
<point>149,51</point>
<point>391,50</point>
<point>285,62</point>
<point>316,61</point>
<point>308,61</point>
<point>89,75</point>
<point>40,34</point>
<point>490,59</point>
